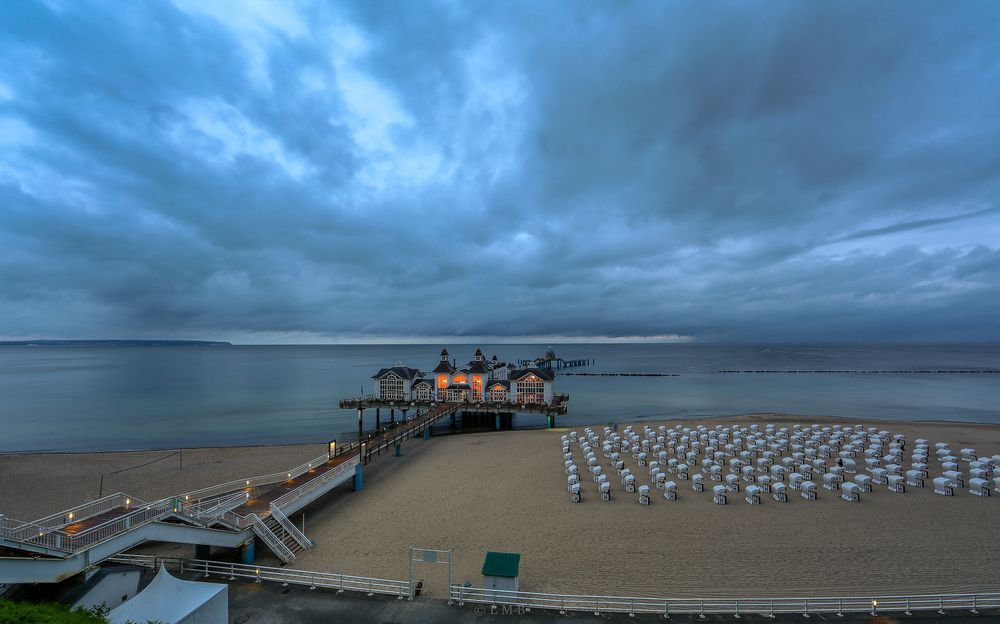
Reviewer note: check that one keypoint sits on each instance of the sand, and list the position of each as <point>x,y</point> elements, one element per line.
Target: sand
<point>35,485</point>
<point>507,491</point>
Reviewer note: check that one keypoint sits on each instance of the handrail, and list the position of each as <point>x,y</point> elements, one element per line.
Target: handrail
<point>278,547</point>
<point>290,528</point>
<point>304,578</point>
<point>765,606</point>
<point>313,484</point>
<point>82,511</point>
<point>250,482</point>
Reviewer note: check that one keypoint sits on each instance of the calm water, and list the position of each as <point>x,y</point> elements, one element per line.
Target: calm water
<point>82,398</point>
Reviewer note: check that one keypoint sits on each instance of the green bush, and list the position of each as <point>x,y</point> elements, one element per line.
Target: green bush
<point>48,613</point>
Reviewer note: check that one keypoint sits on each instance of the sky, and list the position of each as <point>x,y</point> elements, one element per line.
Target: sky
<point>322,172</point>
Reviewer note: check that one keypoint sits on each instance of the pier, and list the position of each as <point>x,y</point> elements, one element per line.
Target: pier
<point>502,410</point>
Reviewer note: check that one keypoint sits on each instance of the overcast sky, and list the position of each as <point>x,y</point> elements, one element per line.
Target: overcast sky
<point>315,172</point>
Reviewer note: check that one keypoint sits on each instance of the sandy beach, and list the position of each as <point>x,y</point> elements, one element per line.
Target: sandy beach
<point>507,491</point>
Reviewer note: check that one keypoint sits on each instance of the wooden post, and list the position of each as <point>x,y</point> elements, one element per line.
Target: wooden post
<point>377,418</point>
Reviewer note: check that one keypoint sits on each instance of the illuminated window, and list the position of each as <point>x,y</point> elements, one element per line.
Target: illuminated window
<point>442,381</point>
<point>498,394</point>
<point>530,389</point>
<point>390,387</point>
<point>424,392</point>
<point>457,379</point>
<point>477,386</point>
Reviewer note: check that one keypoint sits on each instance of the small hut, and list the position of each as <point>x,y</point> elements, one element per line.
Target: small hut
<point>500,570</point>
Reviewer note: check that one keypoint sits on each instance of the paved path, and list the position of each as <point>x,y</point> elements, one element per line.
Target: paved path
<point>251,603</point>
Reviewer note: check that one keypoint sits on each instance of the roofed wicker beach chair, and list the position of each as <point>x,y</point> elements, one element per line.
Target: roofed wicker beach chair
<point>572,480</point>
<point>968,454</point>
<point>698,482</point>
<point>753,494</point>
<point>979,487</point>
<point>943,486</point>
<point>864,481</point>
<point>644,495</point>
<point>749,474</point>
<point>733,482</point>
<point>915,478</point>
<point>795,480</point>
<point>879,476</point>
<point>670,490</point>
<point>719,494</point>
<point>896,483</point>
<point>605,489</point>
<point>831,481</point>
<point>715,473</point>
<point>808,490</point>
<point>764,482</point>
<point>851,492</point>
<point>574,493</point>
<point>956,477</point>
<point>779,491</point>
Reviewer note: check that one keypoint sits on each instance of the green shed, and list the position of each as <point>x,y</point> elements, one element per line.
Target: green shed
<point>500,570</point>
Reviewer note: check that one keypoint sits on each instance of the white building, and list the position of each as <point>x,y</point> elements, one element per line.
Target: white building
<point>478,381</point>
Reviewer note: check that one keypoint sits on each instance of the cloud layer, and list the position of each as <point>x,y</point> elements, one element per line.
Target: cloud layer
<point>276,172</point>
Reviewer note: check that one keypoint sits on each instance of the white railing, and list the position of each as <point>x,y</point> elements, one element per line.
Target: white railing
<point>83,512</point>
<point>764,606</point>
<point>290,528</point>
<point>305,578</point>
<point>251,482</point>
<point>314,484</point>
<point>278,547</point>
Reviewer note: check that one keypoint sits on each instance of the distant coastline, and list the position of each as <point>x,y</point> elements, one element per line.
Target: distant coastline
<point>113,343</point>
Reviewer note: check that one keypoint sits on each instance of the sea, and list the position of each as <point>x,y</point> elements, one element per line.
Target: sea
<point>124,398</point>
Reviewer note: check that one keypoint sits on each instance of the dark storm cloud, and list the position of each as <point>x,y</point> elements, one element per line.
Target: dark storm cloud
<point>280,171</point>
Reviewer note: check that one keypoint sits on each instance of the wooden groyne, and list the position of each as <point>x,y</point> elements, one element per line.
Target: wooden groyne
<point>623,374</point>
<point>988,371</point>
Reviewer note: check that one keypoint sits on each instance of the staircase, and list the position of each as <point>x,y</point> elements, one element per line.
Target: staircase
<point>284,536</point>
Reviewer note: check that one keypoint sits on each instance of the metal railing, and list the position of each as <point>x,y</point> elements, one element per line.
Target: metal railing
<point>304,578</point>
<point>314,484</point>
<point>278,547</point>
<point>83,511</point>
<point>764,606</point>
<point>290,528</point>
<point>253,482</point>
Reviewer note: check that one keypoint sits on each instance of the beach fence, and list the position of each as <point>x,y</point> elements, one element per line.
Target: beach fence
<point>769,607</point>
<point>285,576</point>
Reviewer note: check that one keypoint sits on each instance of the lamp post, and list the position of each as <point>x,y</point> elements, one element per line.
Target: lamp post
<point>331,449</point>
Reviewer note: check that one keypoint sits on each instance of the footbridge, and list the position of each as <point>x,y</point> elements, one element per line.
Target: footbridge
<point>229,514</point>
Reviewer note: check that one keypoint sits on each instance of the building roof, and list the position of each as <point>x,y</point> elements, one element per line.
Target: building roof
<point>444,366</point>
<point>423,382</point>
<point>478,366</point>
<point>501,564</point>
<point>403,372</point>
<point>542,374</point>
<point>498,382</point>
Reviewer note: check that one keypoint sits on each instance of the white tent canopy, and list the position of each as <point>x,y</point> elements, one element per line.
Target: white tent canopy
<point>172,601</point>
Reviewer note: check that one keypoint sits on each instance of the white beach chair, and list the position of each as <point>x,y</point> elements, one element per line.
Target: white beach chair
<point>618,465</point>
<point>955,477</point>
<point>571,481</point>
<point>605,489</point>
<point>659,480</point>
<point>851,492</point>
<point>733,482</point>
<point>719,494</point>
<point>943,486</point>
<point>879,476</point>
<point>896,483</point>
<point>764,482</point>
<point>778,472</point>
<point>921,468</point>
<point>795,480</point>
<point>670,490</point>
<point>831,481</point>
<point>749,474</point>
<point>893,469</point>
<point>915,478</point>
<point>968,454</point>
<point>642,459</point>
<point>753,495</point>
<point>979,487</point>
<point>644,495</point>
<point>808,490</point>
<point>698,482</point>
<point>864,481</point>
<point>779,492</point>
<point>682,472</point>
<point>949,465</point>
<point>574,493</point>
